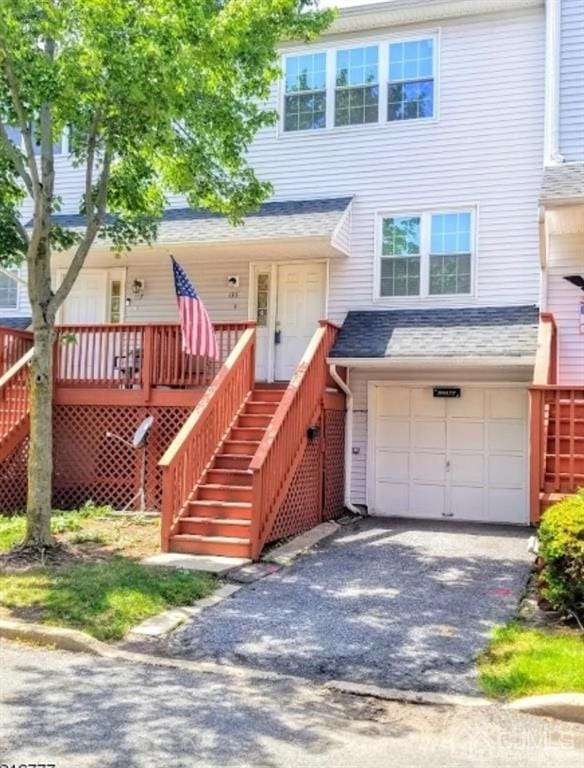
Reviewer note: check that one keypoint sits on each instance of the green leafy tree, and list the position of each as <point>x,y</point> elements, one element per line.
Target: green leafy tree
<point>157,97</point>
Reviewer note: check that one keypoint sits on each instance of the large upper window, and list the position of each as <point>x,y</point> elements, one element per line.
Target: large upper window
<point>410,92</point>
<point>305,97</point>
<point>426,254</point>
<point>8,291</point>
<point>357,86</point>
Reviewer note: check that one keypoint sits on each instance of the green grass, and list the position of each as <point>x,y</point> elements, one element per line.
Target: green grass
<point>104,599</point>
<point>527,662</point>
<point>12,528</point>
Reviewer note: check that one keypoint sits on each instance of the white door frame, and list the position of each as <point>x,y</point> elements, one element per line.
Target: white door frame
<point>272,269</point>
<point>115,273</point>
<point>372,422</point>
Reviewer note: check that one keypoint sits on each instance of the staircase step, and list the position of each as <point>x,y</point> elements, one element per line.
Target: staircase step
<point>267,395</point>
<point>229,461</point>
<point>217,476</point>
<point>247,420</point>
<point>210,545</point>
<point>254,434</point>
<point>224,510</point>
<point>241,447</point>
<point>260,408</point>
<point>217,492</point>
<point>209,526</point>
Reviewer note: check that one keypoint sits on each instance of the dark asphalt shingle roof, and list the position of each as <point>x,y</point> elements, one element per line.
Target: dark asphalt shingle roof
<point>468,332</point>
<point>21,323</point>
<point>563,182</point>
<point>273,220</point>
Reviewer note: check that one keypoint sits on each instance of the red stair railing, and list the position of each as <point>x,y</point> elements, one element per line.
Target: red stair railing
<point>195,446</point>
<point>282,446</point>
<point>14,404</point>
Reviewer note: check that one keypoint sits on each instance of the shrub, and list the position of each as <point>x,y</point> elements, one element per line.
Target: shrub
<point>561,536</point>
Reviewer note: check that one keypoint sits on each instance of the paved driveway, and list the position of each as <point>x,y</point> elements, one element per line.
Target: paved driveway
<point>403,604</point>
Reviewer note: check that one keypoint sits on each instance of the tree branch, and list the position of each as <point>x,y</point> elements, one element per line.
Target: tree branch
<point>90,233</point>
<point>23,121</point>
<point>16,159</point>
<point>91,145</point>
<point>12,276</point>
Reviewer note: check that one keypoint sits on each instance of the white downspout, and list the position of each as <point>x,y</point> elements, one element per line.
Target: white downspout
<point>553,10</point>
<point>348,439</point>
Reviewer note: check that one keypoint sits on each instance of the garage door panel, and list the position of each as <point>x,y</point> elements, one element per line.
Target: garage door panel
<point>505,505</point>
<point>392,498</point>
<point>467,503</point>
<point>392,465</point>
<point>425,405</point>
<point>393,433</point>
<point>393,401</point>
<point>467,469</point>
<point>429,467</point>
<point>427,500</point>
<point>506,436</point>
<point>466,435</point>
<point>506,471</point>
<point>470,405</point>
<point>506,403</point>
<point>428,435</point>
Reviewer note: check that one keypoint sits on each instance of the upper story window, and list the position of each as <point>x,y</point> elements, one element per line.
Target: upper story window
<point>389,81</point>
<point>357,86</point>
<point>8,291</point>
<point>305,99</point>
<point>15,136</point>
<point>410,93</point>
<point>426,254</point>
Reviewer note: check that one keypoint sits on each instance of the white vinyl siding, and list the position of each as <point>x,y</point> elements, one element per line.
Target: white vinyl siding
<point>566,257</point>
<point>572,80</point>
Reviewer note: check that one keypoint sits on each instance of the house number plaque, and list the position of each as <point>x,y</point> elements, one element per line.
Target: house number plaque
<point>446,391</point>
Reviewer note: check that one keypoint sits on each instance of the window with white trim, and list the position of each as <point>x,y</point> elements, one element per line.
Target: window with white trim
<point>8,291</point>
<point>410,91</point>
<point>305,96</point>
<point>426,254</point>
<point>357,86</point>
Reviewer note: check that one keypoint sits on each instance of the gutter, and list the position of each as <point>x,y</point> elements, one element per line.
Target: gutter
<point>348,439</point>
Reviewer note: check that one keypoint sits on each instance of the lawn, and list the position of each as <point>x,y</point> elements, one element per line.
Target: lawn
<point>521,661</point>
<point>98,585</point>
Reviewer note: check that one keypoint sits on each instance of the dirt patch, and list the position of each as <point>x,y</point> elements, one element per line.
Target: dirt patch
<point>23,558</point>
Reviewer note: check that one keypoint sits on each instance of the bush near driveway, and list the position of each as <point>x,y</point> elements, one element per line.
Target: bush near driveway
<point>561,537</point>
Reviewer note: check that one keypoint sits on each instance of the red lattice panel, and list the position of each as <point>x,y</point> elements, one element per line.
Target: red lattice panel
<point>13,482</point>
<point>302,507</point>
<point>90,465</point>
<point>334,464</point>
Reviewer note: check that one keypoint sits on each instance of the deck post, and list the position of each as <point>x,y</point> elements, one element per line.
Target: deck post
<point>147,362</point>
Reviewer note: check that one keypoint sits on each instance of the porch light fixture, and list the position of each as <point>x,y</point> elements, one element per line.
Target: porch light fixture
<point>576,280</point>
<point>137,288</point>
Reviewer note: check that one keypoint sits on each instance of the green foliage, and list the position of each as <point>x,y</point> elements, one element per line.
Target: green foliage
<point>561,536</point>
<point>104,599</point>
<point>526,662</point>
<point>174,90</point>
<point>12,528</point>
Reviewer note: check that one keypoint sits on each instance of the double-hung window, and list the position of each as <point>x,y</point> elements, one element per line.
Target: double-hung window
<point>8,291</point>
<point>305,93</point>
<point>410,91</point>
<point>426,254</point>
<point>400,256</point>
<point>357,86</point>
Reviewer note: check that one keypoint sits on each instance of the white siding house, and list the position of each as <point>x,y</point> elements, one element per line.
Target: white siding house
<point>406,169</point>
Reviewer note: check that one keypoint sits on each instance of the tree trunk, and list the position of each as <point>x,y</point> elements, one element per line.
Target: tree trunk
<point>40,452</point>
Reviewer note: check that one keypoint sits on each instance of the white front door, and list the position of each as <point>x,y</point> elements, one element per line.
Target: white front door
<point>463,458</point>
<point>87,302</point>
<point>300,304</point>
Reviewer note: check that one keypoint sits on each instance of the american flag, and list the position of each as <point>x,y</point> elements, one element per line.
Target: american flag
<point>198,334</point>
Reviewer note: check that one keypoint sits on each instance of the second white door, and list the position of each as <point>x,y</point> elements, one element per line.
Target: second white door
<point>300,304</point>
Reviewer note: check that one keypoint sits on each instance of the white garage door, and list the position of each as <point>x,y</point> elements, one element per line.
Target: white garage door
<point>463,458</point>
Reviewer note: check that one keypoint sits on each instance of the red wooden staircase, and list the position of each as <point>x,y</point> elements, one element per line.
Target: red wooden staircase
<point>219,516</point>
<point>228,470</point>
